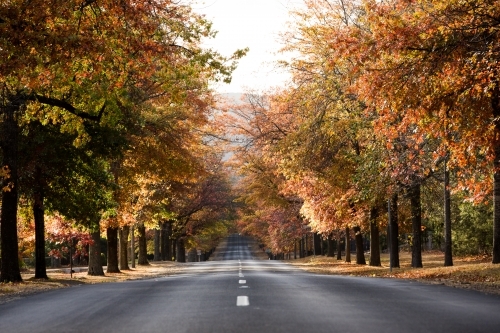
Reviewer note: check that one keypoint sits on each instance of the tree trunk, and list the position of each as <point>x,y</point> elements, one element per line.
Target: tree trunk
<point>360,253</point>
<point>448,256</point>
<point>374,239</point>
<point>331,246</point>
<point>317,244</point>
<point>163,241</point>
<point>339,246</point>
<point>112,235</point>
<point>416,215</point>
<point>95,264</point>
<point>495,104</point>
<point>174,249</point>
<point>143,250</point>
<point>38,212</point>
<point>132,247</point>
<point>301,247</point>
<point>157,245</point>
<point>181,251</point>
<point>124,231</point>
<point>347,245</point>
<point>394,232</point>
<point>9,250</point>
<point>170,247</point>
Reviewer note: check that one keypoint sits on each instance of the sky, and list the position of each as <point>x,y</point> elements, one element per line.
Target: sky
<point>255,24</point>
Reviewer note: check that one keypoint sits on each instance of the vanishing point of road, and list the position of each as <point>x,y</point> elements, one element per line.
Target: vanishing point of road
<point>241,294</point>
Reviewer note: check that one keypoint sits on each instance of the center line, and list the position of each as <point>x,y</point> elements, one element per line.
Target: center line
<point>242,301</point>
<point>243,281</point>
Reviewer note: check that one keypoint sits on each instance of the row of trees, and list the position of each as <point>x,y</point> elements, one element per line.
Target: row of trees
<point>392,105</point>
<point>105,105</point>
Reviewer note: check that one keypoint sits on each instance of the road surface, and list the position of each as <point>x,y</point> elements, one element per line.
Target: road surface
<point>245,295</point>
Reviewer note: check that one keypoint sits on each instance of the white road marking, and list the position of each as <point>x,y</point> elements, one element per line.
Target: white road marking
<point>241,275</point>
<point>244,287</point>
<point>242,301</point>
<point>243,281</point>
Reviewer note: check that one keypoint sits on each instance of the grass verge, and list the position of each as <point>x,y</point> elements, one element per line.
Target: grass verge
<point>477,273</point>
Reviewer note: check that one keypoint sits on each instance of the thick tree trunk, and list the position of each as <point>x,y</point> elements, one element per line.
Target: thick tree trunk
<point>347,245</point>
<point>448,255</point>
<point>124,231</point>
<point>181,250</point>
<point>394,231</point>
<point>339,246</point>
<point>416,215</point>
<point>331,246</point>
<point>112,235</point>
<point>132,247</point>
<point>317,244</point>
<point>9,250</point>
<point>495,105</point>
<point>360,253</point>
<point>143,250</point>
<point>170,253</point>
<point>163,241</point>
<point>38,212</point>
<point>157,245</point>
<point>95,264</point>
<point>174,249</point>
<point>374,239</point>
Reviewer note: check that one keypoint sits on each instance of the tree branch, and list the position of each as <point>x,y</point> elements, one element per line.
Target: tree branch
<point>67,106</point>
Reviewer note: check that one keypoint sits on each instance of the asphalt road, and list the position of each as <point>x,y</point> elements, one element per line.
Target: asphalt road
<point>244,295</point>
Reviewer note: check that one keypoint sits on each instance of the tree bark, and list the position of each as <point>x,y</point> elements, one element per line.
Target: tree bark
<point>317,244</point>
<point>157,245</point>
<point>374,239</point>
<point>170,247</point>
<point>112,235</point>
<point>38,212</point>
<point>163,241</point>
<point>9,250</point>
<point>495,104</point>
<point>132,247</point>
<point>143,250</point>
<point>360,253</point>
<point>347,245</point>
<point>124,231</point>
<point>339,246</point>
<point>394,231</point>
<point>331,246</point>
<point>448,255</point>
<point>416,215</point>
<point>181,250</point>
<point>95,264</point>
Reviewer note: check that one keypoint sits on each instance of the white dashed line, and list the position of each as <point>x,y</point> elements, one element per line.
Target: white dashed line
<point>242,301</point>
<point>243,281</point>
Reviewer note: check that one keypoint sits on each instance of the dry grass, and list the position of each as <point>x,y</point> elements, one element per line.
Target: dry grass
<point>60,279</point>
<point>476,273</point>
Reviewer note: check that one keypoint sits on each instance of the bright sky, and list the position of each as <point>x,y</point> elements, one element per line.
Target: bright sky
<point>255,24</point>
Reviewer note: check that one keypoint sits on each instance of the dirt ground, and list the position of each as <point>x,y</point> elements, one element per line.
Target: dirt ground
<point>477,273</point>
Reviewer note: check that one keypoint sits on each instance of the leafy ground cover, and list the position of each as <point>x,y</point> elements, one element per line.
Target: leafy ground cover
<point>477,273</point>
<point>61,278</point>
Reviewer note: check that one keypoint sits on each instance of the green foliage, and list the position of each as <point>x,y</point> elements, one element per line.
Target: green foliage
<point>472,230</point>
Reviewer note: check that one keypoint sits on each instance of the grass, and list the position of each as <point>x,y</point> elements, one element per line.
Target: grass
<point>476,273</point>
<point>59,279</point>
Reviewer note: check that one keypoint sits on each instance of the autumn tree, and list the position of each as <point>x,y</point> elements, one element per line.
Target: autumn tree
<point>51,48</point>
